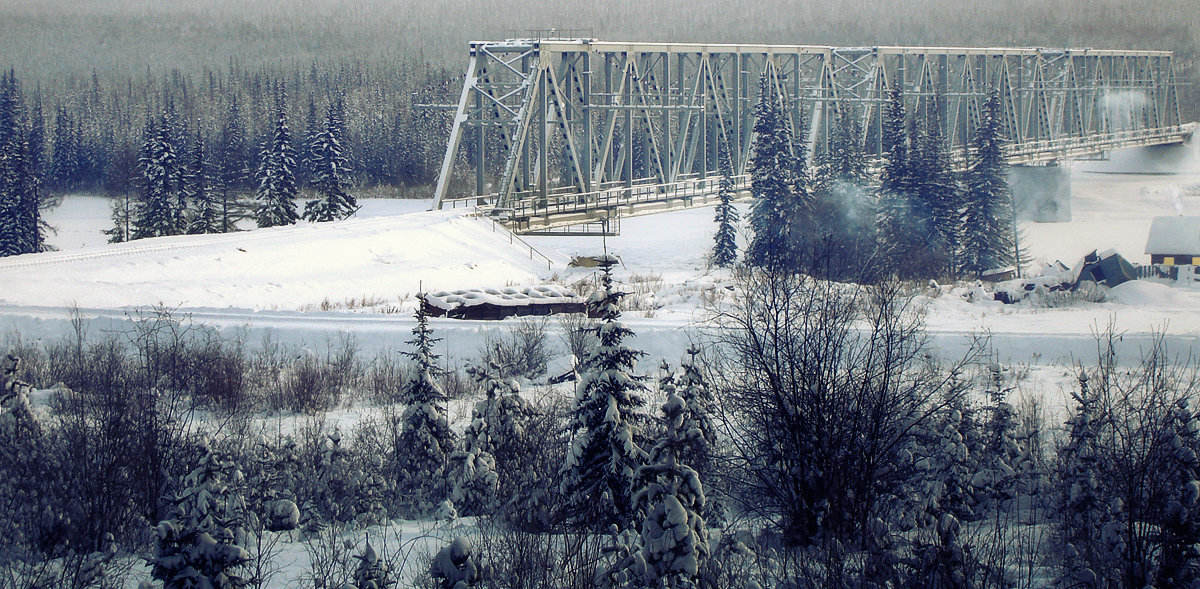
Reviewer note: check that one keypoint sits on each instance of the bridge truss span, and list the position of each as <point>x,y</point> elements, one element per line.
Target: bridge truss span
<point>544,122</point>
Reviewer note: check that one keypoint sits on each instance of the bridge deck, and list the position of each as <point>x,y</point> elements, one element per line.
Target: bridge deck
<point>532,212</point>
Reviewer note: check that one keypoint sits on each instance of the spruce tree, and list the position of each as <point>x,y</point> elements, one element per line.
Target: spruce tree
<point>778,213</point>
<point>201,543</point>
<point>724,252</point>
<point>603,457</point>
<point>12,155</point>
<point>329,169</point>
<point>843,210</point>
<point>198,192</point>
<point>156,214</point>
<point>899,237</point>
<point>988,223</point>
<point>425,433</point>
<point>277,189</point>
<point>937,205</point>
<point>64,161</point>
<point>233,170</point>
<point>670,498</point>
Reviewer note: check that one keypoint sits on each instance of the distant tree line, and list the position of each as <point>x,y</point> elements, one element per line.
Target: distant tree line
<point>95,130</point>
<point>919,219</point>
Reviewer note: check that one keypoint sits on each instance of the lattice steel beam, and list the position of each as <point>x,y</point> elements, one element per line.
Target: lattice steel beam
<point>582,116</point>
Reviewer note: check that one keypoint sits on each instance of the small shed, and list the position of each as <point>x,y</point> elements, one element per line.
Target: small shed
<point>1174,241</point>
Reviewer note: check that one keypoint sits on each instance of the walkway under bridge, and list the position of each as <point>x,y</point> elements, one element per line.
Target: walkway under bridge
<point>561,132</point>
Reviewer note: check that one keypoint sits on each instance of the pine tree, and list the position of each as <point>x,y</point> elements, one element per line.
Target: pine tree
<point>674,539</point>
<point>724,252</point>
<point>277,189</point>
<point>937,202</point>
<point>310,144</point>
<point>899,237</point>
<point>778,215</point>
<point>122,218</point>
<point>12,155</point>
<point>197,190</point>
<point>1084,511</point>
<point>64,161</point>
<point>425,433</point>
<point>843,210</point>
<point>156,214</point>
<point>201,543</point>
<point>988,224</point>
<point>329,168</point>
<point>603,456</point>
<point>233,170</point>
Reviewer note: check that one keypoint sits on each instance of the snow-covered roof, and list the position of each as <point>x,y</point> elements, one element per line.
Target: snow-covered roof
<point>541,294</point>
<point>1174,235</point>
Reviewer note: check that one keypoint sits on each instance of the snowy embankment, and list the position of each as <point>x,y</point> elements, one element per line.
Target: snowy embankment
<point>303,266</point>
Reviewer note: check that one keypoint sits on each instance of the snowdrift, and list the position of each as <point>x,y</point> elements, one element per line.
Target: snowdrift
<point>382,258</point>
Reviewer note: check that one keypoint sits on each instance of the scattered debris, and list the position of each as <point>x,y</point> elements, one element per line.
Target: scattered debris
<point>1107,269</point>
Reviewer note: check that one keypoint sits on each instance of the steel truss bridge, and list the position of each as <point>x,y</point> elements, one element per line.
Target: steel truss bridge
<point>563,132</point>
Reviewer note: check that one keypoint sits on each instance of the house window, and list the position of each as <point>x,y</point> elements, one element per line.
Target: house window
<point>1169,260</point>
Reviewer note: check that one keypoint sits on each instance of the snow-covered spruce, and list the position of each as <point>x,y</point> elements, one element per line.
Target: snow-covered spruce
<point>603,456</point>
<point>724,253</point>
<point>989,230</point>
<point>158,212</point>
<point>426,438</point>
<point>372,572</point>
<point>329,169</point>
<point>201,543</point>
<point>782,206</point>
<point>670,498</point>
<point>198,192</point>
<point>456,566</point>
<point>277,189</point>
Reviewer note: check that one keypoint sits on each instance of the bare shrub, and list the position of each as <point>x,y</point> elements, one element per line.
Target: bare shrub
<point>823,384</point>
<point>578,334</point>
<point>520,350</point>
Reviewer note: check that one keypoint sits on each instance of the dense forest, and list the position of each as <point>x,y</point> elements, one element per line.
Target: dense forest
<point>99,70</point>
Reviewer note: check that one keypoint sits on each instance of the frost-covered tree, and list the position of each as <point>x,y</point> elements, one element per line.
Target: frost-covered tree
<point>329,171</point>
<point>1179,562</point>
<point>900,236</point>
<point>122,218</point>
<point>426,438</point>
<point>157,213</point>
<point>277,189</point>
<point>233,172</point>
<point>457,566</point>
<point>937,203</point>
<point>603,457</point>
<point>372,572</point>
<point>778,217</point>
<point>995,482</point>
<point>670,499</point>
<point>201,543</point>
<point>697,399</point>
<point>198,192</point>
<point>724,253</point>
<point>1083,506</point>
<point>989,230</point>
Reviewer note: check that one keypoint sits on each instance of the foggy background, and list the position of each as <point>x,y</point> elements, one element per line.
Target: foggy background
<point>57,39</point>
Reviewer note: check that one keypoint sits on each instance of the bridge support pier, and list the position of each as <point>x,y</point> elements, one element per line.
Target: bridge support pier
<point>1041,194</point>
